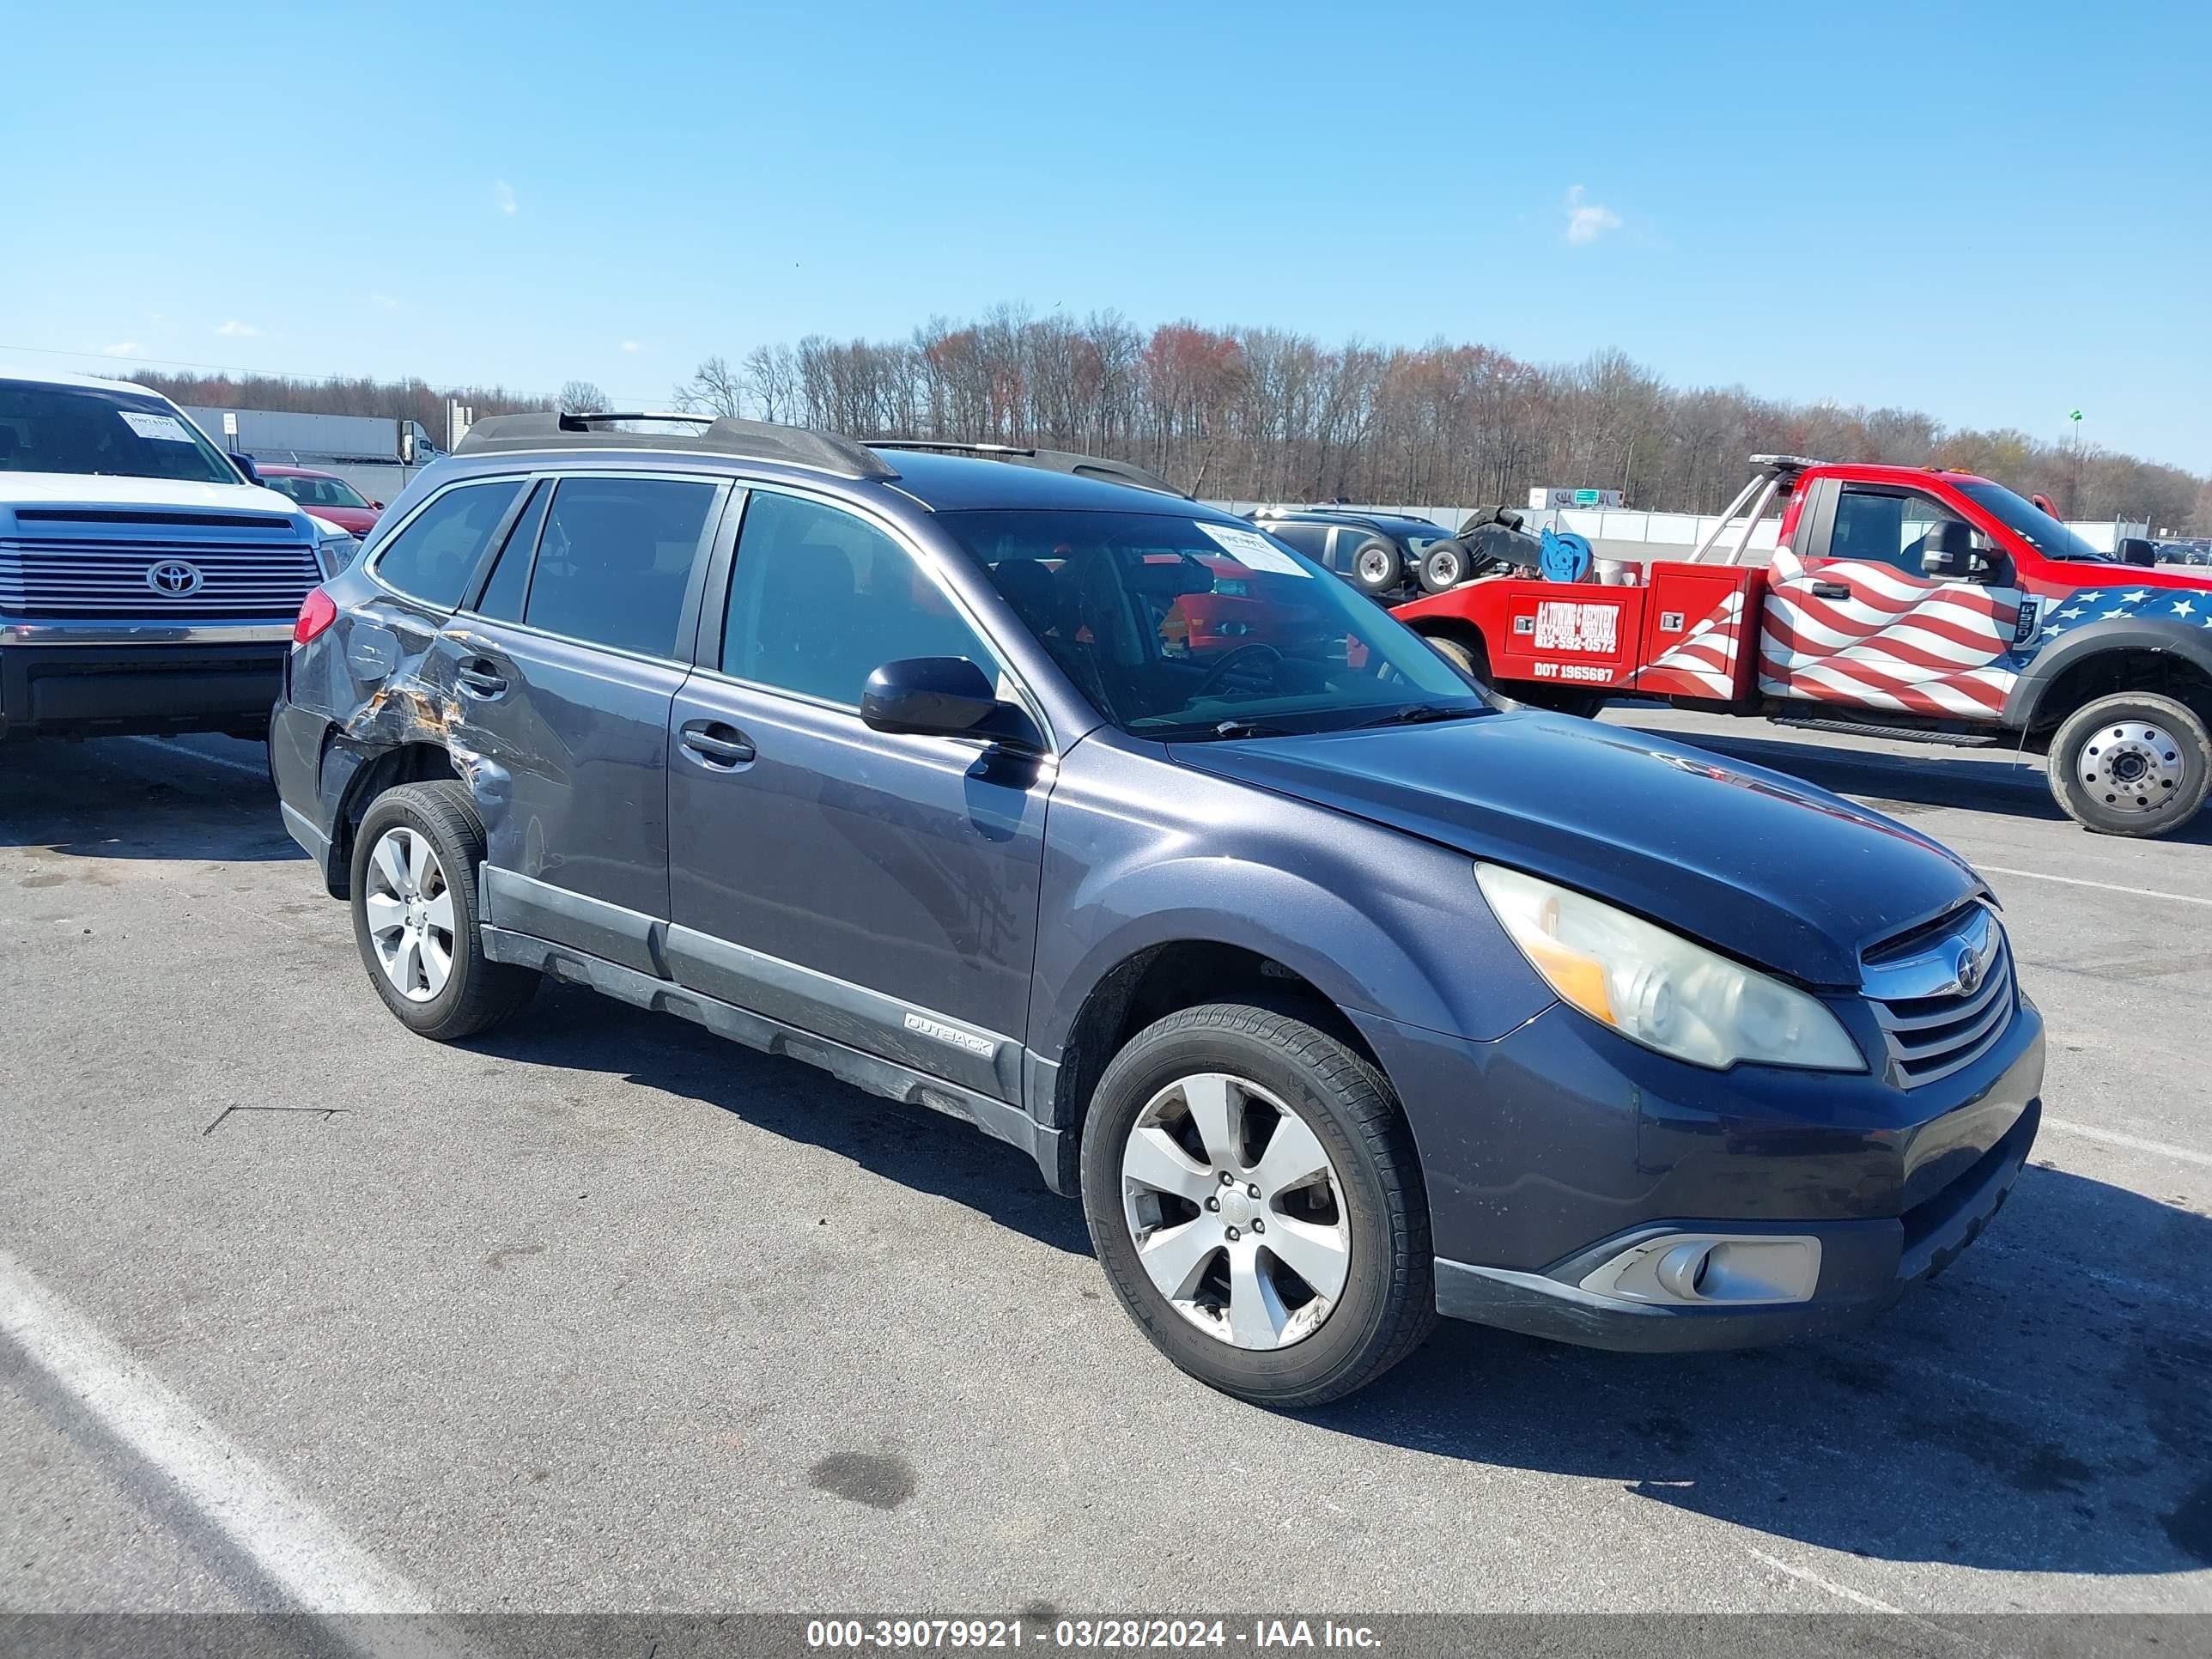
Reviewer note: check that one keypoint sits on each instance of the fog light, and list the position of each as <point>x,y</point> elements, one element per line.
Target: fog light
<point>1709,1269</point>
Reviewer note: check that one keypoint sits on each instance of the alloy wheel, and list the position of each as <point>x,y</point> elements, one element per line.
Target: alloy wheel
<point>410,907</point>
<point>2132,766</point>
<point>1236,1211</point>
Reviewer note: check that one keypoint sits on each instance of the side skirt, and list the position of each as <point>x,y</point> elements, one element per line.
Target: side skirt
<point>878,1076</point>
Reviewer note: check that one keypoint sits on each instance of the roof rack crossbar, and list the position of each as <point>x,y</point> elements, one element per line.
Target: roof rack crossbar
<point>723,434</point>
<point>1052,460</point>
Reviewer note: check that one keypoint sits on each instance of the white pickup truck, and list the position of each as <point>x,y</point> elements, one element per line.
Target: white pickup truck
<point>147,582</point>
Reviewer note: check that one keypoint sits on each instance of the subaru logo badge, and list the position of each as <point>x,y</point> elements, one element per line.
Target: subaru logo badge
<point>175,580</point>
<point>1969,970</point>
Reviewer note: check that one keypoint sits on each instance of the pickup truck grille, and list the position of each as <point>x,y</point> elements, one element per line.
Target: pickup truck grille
<point>60,578</point>
<point>1932,1026</point>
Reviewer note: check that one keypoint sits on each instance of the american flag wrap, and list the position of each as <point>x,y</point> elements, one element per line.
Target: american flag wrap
<point>1946,649</point>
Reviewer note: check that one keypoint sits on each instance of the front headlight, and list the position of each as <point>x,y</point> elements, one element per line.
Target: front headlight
<point>335,553</point>
<point>1658,987</point>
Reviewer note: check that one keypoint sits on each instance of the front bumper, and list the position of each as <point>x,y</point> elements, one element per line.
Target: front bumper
<point>1865,1267</point>
<point>57,680</point>
<point>1550,1151</point>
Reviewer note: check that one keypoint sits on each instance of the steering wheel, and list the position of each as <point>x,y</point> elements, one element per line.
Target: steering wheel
<point>1219,672</point>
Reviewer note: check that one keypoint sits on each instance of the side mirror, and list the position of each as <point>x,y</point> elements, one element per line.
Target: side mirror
<point>1948,554</point>
<point>245,464</point>
<point>376,507</point>
<point>2136,549</point>
<point>942,697</point>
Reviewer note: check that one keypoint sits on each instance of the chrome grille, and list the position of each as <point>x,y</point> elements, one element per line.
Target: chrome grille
<point>1933,1023</point>
<point>64,577</point>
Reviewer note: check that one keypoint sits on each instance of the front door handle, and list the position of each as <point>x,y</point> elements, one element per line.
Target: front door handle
<point>716,743</point>
<point>1831,590</point>
<point>480,677</point>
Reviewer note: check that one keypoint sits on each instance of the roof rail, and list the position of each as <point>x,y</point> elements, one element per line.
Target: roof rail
<point>1052,460</point>
<point>725,435</point>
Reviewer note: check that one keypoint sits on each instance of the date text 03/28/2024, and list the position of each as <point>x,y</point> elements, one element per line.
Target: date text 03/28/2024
<point>1118,1634</point>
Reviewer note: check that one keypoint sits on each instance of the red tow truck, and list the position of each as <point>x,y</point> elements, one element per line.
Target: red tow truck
<point>1901,602</point>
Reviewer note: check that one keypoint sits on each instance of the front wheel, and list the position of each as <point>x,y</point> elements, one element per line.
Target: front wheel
<point>1256,1204</point>
<point>2135,764</point>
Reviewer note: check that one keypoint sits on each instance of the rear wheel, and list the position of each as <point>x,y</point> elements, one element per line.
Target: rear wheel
<point>1471,659</point>
<point>1255,1201</point>
<point>2132,764</point>
<point>415,864</point>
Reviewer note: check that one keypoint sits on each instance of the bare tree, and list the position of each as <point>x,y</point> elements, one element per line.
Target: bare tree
<point>581,397</point>
<point>714,388</point>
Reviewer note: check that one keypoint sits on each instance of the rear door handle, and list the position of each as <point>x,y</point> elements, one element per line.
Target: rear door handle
<point>1831,590</point>
<point>717,744</point>
<point>480,677</point>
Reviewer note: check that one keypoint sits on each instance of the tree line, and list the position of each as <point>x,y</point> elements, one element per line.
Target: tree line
<point>1269,415</point>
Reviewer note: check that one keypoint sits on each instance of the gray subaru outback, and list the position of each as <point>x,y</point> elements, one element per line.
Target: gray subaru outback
<point>1016,785</point>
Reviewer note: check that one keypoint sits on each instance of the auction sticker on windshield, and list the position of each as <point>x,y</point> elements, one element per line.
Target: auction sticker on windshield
<point>167,428</point>
<point>1253,550</point>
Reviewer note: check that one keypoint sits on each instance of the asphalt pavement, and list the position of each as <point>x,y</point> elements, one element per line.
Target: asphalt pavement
<point>599,1312</point>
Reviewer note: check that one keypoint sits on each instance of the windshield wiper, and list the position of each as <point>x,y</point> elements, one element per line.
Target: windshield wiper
<point>1249,729</point>
<point>1419,714</point>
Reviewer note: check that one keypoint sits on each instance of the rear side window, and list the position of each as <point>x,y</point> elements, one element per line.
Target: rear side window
<point>614,559</point>
<point>433,558</point>
<point>1307,538</point>
<point>820,599</point>
<point>510,577</point>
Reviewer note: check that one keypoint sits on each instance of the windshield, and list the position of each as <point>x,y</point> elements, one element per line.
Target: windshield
<point>124,435</point>
<point>315,492</point>
<point>2032,524</point>
<point>1177,628</point>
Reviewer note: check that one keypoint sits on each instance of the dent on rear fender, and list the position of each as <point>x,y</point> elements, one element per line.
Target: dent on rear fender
<point>415,701</point>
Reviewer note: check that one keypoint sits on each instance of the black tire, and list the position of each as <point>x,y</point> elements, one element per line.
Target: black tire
<point>2122,732</point>
<point>1445,566</point>
<point>477,993</point>
<point>1376,568</point>
<point>1388,1302</point>
<point>1509,517</point>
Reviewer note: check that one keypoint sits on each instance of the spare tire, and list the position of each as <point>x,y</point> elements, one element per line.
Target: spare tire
<point>1377,567</point>
<point>1445,566</point>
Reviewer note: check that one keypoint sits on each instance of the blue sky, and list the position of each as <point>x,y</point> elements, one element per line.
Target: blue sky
<point>1995,212</point>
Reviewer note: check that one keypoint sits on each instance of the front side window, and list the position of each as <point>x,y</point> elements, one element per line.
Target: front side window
<point>1885,527</point>
<point>819,599</point>
<point>433,558</point>
<point>1180,628</point>
<point>1311,539</point>
<point>615,558</point>
<point>90,429</point>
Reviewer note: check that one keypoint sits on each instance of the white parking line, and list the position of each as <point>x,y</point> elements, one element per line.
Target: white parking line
<point>2132,1143</point>
<point>224,761</point>
<point>291,1542</point>
<point>1843,1591</point>
<point>2101,886</point>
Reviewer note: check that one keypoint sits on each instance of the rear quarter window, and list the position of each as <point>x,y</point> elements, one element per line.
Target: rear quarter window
<point>433,556</point>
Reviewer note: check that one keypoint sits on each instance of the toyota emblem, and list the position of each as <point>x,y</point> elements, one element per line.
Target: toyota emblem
<point>175,579</point>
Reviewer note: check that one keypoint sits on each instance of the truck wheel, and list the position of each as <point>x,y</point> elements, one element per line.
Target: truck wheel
<point>1444,567</point>
<point>1470,660</point>
<point>2132,764</point>
<point>1256,1204</point>
<point>415,864</point>
<point>1376,568</point>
